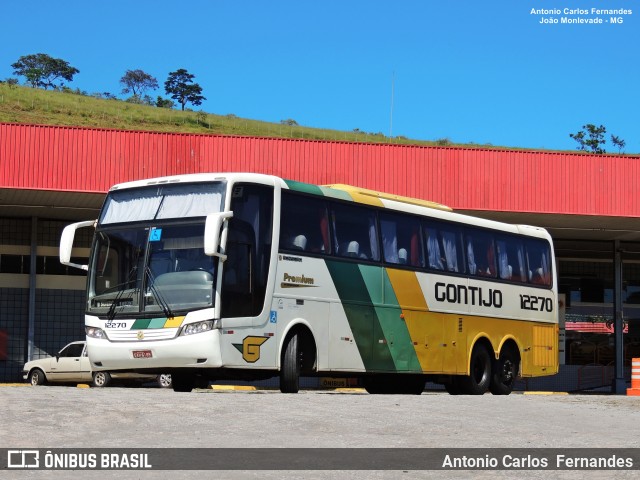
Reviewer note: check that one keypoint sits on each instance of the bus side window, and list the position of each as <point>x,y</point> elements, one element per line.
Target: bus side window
<point>388,228</point>
<point>481,259</point>
<point>511,264</point>
<point>450,238</point>
<point>355,226</point>
<point>401,239</point>
<point>304,224</point>
<point>505,270</point>
<point>539,262</point>
<point>434,251</point>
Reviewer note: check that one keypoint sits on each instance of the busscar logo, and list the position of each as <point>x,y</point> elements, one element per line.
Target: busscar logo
<point>297,281</point>
<point>23,459</point>
<point>250,348</point>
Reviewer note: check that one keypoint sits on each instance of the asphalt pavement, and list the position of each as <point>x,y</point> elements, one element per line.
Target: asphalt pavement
<point>50,417</point>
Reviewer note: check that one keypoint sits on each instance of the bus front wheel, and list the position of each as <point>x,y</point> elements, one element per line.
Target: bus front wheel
<point>182,382</point>
<point>290,366</point>
<point>479,378</point>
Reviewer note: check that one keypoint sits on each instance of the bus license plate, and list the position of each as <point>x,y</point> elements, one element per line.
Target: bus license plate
<point>142,354</point>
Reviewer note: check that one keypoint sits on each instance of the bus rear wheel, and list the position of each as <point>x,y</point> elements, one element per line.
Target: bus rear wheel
<point>479,378</point>
<point>505,371</point>
<point>290,366</point>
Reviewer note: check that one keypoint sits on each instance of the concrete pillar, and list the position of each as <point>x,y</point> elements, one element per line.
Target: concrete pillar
<point>31,326</point>
<point>619,384</point>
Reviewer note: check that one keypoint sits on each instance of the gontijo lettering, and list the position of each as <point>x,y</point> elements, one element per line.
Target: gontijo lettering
<point>453,293</point>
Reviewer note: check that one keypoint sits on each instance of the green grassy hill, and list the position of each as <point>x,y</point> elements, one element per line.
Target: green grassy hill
<point>20,104</point>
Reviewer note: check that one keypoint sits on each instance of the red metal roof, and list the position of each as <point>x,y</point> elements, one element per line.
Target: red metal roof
<point>91,160</point>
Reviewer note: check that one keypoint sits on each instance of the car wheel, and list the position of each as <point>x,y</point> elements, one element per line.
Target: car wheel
<point>37,377</point>
<point>164,380</point>
<point>101,379</point>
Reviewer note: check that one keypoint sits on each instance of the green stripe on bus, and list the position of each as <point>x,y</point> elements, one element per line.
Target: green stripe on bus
<point>361,314</point>
<point>304,187</point>
<point>318,190</point>
<point>140,324</point>
<point>393,330</point>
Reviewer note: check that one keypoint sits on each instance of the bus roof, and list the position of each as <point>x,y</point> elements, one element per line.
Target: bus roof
<point>364,195</point>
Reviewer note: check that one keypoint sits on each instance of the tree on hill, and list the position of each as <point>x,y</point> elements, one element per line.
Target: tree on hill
<point>618,143</point>
<point>164,102</point>
<point>138,82</point>
<point>42,70</point>
<point>590,138</point>
<point>182,89</point>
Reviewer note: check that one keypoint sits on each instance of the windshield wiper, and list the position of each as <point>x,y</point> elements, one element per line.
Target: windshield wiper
<point>157,295</point>
<point>111,313</point>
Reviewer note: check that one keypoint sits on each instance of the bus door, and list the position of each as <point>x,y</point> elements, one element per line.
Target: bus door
<point>246,270</point>
<point>245,275</point>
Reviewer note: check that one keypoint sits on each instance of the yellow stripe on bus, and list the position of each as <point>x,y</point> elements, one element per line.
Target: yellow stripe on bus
<point>173,322</point>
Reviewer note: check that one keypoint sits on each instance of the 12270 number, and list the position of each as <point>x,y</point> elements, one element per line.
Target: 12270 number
<point>538,304</point>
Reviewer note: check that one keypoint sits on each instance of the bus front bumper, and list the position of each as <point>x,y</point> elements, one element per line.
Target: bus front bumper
<point>201,350</point>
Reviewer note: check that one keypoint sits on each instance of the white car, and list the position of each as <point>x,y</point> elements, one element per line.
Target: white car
<point>71,365</point>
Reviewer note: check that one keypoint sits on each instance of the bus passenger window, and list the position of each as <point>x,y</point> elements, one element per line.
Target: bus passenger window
<point>450,251</point>
<point>481,259</point>
<point>401,239</point>
<point>538,260</point>
<point>505,270</point>
<point>304,224</point>
<point>511,265</point>
<point>434,252</point>
<point>355,232</point>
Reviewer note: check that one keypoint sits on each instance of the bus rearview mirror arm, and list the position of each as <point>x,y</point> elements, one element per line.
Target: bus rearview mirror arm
<point>66,243</point>
<point>212,234</point>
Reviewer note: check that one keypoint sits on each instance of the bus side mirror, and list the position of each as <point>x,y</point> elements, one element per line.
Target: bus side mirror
<point>66,243</point>
<point>212,234</point>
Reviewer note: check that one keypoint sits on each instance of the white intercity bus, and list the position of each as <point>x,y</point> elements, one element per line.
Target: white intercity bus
<point>250,276</point>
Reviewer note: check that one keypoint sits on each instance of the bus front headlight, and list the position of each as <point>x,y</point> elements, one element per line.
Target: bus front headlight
<point>95,332</point>
<point>198,327</point>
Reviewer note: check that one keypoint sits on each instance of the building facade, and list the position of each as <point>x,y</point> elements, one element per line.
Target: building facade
<point>51,176</point>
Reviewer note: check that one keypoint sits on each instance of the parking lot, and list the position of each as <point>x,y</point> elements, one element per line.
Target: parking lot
<point>71,417</point>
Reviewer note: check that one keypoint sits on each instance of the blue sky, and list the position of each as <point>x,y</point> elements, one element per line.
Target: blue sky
<point>467,70</point>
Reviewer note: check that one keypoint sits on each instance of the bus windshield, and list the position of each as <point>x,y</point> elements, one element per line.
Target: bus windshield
<point>145,270</point>
<point>148,254</point>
